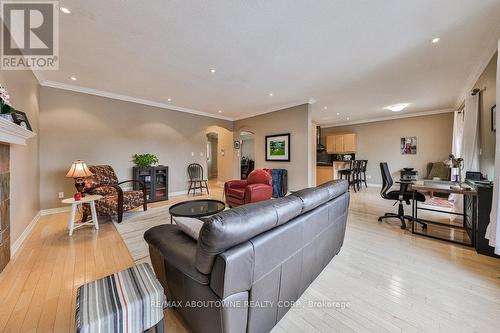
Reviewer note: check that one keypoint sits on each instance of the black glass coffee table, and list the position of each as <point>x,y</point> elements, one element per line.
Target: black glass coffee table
<point>196,208</point>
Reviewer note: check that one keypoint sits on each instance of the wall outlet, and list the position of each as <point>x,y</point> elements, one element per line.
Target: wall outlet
<point>61,195</point>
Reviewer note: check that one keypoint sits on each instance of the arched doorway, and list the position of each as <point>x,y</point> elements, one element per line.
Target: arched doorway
<point>212,148</point>
<point>247,153</point>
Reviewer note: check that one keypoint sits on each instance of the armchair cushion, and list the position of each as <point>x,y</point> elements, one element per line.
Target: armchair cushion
<point>102,175</point>
<point>238,193</point>
<point>103,190</point>
<point>236,184</point>
<point>258,192</point>
<point>260,177</point>
<point>108,205</point>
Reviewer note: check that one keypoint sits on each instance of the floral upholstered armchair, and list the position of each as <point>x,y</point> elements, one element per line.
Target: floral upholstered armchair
<point>115,200</point>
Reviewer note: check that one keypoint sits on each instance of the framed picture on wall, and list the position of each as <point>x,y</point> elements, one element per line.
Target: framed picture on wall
<point>20,118</point>
<point>278,147</point>
<point>409,145</point>
<point>494,118</point>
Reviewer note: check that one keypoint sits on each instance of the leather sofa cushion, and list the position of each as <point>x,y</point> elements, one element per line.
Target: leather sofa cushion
<point>312,197</point>
<point>178,249</point>
<point>226,229</point>
<point>335,188</point>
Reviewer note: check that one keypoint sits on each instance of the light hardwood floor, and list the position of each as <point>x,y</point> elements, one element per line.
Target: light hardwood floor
<point>391,280</point>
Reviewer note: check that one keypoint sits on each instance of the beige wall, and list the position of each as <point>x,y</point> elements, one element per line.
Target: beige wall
<point>487,100</point>
<point>294,120</point>
<point>100,130</point>
<point>24,160</point>
<point>380,142</point>
<point>225,152</point>
<point>248,148</point>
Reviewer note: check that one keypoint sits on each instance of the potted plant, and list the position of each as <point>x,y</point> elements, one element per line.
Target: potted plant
<point>143,161</point>
<point>6,108</point>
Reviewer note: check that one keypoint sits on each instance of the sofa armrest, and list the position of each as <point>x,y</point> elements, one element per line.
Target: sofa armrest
<point>236,184</point>
<point>258,192</point>
<point>177,249</point>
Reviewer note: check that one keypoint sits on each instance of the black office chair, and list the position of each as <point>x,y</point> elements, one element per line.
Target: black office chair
<point>196,180</point>
<point>403,194</point>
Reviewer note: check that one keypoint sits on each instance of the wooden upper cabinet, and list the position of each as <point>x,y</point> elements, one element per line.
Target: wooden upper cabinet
<point>330,144</point>
<point>349,142</point>
<point>341,143</point>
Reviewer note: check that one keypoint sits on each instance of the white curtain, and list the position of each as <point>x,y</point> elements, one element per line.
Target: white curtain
<point>470,146</point>
<point>456,150</point>
<point>458,134</point>
<point>493,232</point>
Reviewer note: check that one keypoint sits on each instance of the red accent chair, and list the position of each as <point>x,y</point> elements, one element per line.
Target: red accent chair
<point>257,187</point>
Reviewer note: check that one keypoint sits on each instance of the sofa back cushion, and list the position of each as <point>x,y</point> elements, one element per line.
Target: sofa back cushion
<point>260,177</point>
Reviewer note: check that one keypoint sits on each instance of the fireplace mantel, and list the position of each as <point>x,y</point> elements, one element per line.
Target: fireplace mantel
<point>11,133</point>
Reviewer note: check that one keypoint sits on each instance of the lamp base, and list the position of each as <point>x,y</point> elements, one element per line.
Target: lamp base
<point>80,185</point>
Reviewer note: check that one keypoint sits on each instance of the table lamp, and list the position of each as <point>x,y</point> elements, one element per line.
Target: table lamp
<point>78,171</point>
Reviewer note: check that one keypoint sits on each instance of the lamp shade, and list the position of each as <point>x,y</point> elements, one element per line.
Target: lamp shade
<point>78,169</point>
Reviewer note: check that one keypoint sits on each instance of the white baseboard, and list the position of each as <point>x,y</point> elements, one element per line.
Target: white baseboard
<point>174,194</point>
<point>19,242</point>
<point>57,210</point>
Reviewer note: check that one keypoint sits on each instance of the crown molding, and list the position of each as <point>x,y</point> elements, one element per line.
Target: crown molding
<point>400,116</point>
<point>125,98</point>
<point>279,108</point>
<point>491,45</point>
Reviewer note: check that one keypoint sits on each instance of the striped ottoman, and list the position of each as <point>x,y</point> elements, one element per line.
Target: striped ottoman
<point>128,301</point>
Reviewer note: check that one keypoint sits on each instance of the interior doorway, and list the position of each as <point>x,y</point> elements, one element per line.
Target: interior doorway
<point>247,156</point>
<point>212,148</point>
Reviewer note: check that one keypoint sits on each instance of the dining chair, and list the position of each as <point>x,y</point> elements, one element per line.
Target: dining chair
<point>196,179</point>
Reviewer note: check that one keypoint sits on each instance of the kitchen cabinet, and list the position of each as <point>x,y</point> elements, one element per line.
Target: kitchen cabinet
<point>341,143</point>
<point>323,174</point>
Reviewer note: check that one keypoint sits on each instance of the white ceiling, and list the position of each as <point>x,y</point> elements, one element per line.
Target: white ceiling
<point>353,56</point>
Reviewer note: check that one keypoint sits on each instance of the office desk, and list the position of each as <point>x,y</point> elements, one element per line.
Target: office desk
<point>469,214</point>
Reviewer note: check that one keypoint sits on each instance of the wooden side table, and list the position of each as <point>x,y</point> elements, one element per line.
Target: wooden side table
<point>90,199</point>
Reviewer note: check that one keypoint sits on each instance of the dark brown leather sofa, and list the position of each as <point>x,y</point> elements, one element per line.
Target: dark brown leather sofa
<point>250,261</point>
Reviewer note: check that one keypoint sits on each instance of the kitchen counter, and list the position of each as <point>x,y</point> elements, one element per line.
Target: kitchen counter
<point>326,173</point>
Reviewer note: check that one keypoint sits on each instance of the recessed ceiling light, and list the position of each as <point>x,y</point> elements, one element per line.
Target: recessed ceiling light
<point>212,70</point>
<point>436,40</point>
<point>72,78</point>
<point>348,118</point>
<point>325,107</point>
<point>338,113</point>
<point>65,10</point>
<point>220,111</point>
<point>271,94</point>
<point>169,100</point>
<point>397,107</point>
